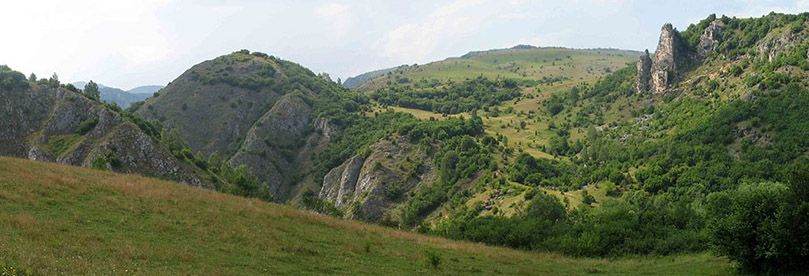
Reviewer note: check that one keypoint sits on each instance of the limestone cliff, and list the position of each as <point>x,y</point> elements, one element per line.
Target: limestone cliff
<point>253,110</point>
<point>644,73</point>
<point>49,123</point>
<point>664,66</point>
<point>710,38</point>
<point>776,43</point>
<point>369,188</point>
<point>673,56</point>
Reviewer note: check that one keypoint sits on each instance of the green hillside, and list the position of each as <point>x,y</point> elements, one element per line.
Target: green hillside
<point>525,63</point>
<point>697,147</point>
<point>66,220</point>
<point>537,72</point>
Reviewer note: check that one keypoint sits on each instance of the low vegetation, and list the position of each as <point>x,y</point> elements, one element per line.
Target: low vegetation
<point>66,220</point>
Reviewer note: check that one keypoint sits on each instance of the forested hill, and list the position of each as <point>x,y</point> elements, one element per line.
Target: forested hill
<point>697,146</point>
<point>669,154</point>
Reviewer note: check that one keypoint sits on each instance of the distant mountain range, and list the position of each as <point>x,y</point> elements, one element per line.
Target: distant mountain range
<point>121,97</point>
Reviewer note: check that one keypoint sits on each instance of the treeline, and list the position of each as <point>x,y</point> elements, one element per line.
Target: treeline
<point>450,98</point>
<point>637,224</point>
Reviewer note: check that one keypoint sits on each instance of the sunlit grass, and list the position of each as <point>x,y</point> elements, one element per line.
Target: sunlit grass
<point>58,219</point>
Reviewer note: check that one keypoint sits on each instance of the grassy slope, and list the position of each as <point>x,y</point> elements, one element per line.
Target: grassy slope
<point>61,219</point>
<point>575,65</point>
<point>516,64</point>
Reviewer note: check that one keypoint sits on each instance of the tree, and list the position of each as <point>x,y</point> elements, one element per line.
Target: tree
<point>761,226</point>
<point>91,91</point>
<point>32,77</point>
<point>54,80</point>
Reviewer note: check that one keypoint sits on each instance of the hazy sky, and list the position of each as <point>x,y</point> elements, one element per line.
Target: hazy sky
<point>130,43</point>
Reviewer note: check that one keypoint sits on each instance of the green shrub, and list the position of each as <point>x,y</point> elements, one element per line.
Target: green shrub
<point>310,201</point>
<point>763,226</point>
<point>433,259</point>
<point>10,79</point>
<point>87,125</point>
<point>450,98</point>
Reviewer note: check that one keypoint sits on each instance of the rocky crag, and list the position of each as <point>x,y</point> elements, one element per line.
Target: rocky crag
<point>252,110</point>
<point>672,57</point>
<point>370,187</point>
<point>48,122</point>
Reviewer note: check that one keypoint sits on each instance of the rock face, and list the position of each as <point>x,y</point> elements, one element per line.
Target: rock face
<point>53,124</point>
<point>274,147</point>
<point>710,38</point>
<point>340,183</point>
<point>673,55</point>
<point>644,73</point>
<point>370,188</point>
<point>664,66</point>
<point>252,110</point>
<point>776,43</point>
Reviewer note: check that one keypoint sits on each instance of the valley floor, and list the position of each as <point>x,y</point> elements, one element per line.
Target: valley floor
<point>57,219</point>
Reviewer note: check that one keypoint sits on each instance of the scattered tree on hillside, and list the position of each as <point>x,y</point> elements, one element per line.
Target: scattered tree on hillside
<point>91,91</point>
<point>54,80</point>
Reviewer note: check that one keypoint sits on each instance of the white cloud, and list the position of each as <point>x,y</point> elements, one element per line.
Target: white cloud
<point>126,43</point>
<point>79,39</point>
<point>337,16</point>
<point>415,40</point>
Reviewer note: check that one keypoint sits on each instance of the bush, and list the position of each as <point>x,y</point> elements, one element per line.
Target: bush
<point>744,224</point>
<point>311,201</point>
<point>433,259</point>
<point>10,79</point>
<point>763,226</point>
<point>87,125</point>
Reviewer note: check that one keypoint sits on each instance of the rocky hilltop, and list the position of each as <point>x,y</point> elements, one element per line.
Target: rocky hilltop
<point>48,122</point>
<point>657,75</point>
<point>673,56</point>
<point>250,109</point>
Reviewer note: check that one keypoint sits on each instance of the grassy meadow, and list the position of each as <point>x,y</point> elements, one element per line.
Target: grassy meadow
<point>570,67</point>
<point>58,219</point>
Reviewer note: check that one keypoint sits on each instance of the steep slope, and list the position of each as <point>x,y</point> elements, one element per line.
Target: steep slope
<point>370,187</point>
<point>65,220</point>
<point>44,121</point>
<point>253,110</point>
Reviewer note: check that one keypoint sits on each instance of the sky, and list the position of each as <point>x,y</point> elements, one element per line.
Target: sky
<point>126,43</point>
